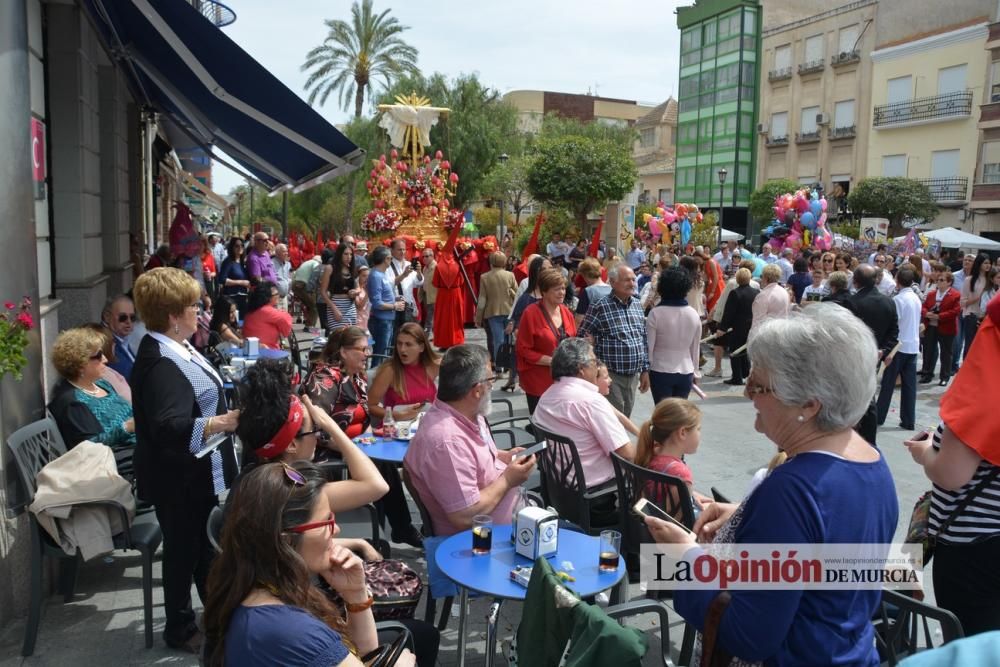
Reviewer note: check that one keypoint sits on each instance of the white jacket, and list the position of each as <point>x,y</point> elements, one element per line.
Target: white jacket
<point>85,474</point>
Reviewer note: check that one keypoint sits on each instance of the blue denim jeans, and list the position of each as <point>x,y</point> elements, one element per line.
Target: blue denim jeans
<point>904,365</point>
<point>381,331</point>
<point>494,334</point>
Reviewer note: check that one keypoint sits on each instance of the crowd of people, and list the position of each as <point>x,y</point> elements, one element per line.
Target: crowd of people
<point>581,336</point>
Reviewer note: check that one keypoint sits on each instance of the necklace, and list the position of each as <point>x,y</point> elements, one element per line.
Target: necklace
<point>95,392</point>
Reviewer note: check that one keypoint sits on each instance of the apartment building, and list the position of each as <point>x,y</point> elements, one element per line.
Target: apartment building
<point>532,105</point>
<point>654,153</point>
<point>984,208</point>
<point>815,105</point>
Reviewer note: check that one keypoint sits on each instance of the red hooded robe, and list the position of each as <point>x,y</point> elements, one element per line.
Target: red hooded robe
<point>448,314</point>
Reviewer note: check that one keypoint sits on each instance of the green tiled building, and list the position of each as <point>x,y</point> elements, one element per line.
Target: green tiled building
<point>717,105</point>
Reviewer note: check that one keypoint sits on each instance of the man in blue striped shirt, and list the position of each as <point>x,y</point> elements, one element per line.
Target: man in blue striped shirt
<point>617,327</point>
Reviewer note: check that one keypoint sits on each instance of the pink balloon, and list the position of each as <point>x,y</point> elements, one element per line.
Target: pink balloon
<point>822,221</point>
<point>822,202</point>
<point>654,227</point>
<point>669,217</point>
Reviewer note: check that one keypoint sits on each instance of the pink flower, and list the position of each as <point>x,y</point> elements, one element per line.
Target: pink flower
<point>26,320</point>
<point>8,305</point>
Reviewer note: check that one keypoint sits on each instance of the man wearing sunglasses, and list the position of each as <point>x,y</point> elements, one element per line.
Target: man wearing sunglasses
<point>119,316</point>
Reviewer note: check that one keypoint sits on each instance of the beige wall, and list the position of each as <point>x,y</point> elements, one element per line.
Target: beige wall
<point>902,20</point>
<point>823,160</point>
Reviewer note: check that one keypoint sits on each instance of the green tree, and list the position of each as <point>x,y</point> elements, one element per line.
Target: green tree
<point>893,198</point>
<point>509,182</point>
<point>762,199</point>
<point>351,58</point>
<point>554,125</point>
<point>580,173</point>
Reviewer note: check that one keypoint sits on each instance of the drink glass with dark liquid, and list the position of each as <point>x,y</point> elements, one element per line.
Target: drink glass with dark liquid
<point>482,534</point>
<point>611,541</point>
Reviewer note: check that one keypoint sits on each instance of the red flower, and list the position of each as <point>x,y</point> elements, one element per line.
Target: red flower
<point>25,319</point>
<point>8,305</point>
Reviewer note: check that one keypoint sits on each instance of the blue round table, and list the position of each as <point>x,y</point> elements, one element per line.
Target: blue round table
<point>262,353</point>
<point>490,573</point>
<point>389,450</point>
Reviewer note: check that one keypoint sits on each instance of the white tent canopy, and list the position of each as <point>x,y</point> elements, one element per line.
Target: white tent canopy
<point>730,236</point>
<point>950,237</point>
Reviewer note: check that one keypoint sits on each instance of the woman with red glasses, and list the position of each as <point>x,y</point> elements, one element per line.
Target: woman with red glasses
<point>262,607</point>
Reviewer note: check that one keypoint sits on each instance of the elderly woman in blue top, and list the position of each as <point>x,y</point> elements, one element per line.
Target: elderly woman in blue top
<point>812,377</point>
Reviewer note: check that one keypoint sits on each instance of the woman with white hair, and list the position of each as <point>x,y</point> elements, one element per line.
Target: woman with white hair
<point>833,488</point>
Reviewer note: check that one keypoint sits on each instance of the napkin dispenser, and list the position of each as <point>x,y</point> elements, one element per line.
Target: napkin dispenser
<point>537,532</point>
<point>251,347</point>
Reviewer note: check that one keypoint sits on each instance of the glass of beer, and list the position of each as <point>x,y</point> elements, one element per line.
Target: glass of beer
<point>611,542</point>
<point>482,534</point>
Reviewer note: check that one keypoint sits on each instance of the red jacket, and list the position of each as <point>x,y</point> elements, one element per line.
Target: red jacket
<point>534,341</point>
<point>947,324</point>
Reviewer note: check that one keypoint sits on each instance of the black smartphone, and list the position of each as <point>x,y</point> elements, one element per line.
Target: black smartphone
<point>415,263</point>
<point>645,508</point>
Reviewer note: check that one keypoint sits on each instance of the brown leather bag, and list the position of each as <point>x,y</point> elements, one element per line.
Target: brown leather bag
<point>713,655</point>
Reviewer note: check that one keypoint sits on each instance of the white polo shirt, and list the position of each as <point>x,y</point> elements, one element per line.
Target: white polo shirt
<point>908,311</point>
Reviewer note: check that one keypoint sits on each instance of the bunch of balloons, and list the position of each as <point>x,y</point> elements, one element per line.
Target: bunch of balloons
<point>670,221</point>
<point>799,222</point>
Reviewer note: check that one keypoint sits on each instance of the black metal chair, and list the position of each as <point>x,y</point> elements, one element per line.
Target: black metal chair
<point>428,531</point>
<point>564,486</point>
<point>296,352</point>
<point>513,429</point>
<point>902,626</point>
<point>34,446</point>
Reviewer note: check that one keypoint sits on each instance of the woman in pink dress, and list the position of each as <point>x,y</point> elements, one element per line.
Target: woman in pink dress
<point>405,382</point>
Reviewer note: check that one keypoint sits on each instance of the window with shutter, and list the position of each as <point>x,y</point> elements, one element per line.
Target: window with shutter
<point>814,49</point>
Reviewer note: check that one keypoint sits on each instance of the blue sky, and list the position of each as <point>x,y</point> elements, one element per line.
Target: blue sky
<point>619,48</point>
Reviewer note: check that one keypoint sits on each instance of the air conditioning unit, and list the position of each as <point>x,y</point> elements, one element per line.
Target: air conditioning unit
<point>761,128</point>
<point>822,119</point>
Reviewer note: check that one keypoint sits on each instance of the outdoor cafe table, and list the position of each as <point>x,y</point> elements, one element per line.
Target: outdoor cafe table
<point>390,450</point>
<point>490,573</point>
<point>262,353</point>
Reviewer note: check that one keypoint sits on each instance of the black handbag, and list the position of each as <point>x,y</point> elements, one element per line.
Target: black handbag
<point>505,355</point>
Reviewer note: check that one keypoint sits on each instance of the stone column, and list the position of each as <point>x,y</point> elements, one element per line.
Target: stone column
<point>114,178</point>
<point>20,402</point>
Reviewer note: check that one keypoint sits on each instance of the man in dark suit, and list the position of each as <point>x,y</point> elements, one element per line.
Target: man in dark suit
<point>879,312</point>
<point>119,317</point>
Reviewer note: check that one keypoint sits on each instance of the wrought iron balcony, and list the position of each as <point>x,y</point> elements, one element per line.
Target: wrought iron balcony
<point>848,132</point>
<point>947,189</point>
<point>807,137</point>
<point>846,58</point>
<point>812,66</point>
<point>779,74</point>
<point>776,141</point>
<point>938,107</point>
<point>215,11</point>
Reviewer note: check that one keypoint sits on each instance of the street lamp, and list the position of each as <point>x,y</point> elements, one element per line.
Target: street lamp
<point>503,199</point>
<point>722,184</point>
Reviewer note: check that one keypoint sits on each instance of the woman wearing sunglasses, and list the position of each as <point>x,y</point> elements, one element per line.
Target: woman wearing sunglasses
<point>263,608</point>
<point>84,404</point>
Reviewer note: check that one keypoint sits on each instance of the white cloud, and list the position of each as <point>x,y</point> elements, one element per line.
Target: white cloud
<point>620,48</point>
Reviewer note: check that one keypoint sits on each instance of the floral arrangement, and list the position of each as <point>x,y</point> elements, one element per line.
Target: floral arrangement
<point>454,217</point>
<point>419,245</point>
<point>420,191</point>
<point>14,330</point>
<point>488,246</point>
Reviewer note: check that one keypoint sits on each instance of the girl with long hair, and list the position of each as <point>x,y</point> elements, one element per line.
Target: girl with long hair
<point>672,431</point>
<point>972,294</point>
<point>338,287</point>
<point>405,381</point>
<point>262,606</point>
<point>224,321</point>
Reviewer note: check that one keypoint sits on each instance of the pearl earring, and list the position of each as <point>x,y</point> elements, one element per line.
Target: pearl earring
<point>801,418</point>
<point>177,330</point>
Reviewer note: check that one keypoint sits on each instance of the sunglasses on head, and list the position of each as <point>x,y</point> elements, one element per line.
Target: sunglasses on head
<point>125,317</point>
<point>97,355</point>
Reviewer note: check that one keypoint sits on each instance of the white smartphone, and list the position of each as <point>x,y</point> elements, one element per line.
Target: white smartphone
<point>645,508</point>
<point>534,449</point>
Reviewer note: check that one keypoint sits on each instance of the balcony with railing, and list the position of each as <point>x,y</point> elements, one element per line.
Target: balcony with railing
<point>848,132</point>
<point>812,66</point>
<point>947,190</point>
<point>780,74</point>
<point>846,58</point>
<point>924,109</point>
<point>807,137</point>
<point>776,141</point>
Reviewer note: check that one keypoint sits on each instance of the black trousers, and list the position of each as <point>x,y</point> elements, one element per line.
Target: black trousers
<point>935,344</point>
<point>393,503</point>
<point>187,555</point>
<point>532,403</point>
<point>967,583</point>
<point>740,364</point>
<point>867,428</point>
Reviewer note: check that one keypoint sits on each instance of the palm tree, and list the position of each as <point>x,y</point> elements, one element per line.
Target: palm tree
<point>356,53</point>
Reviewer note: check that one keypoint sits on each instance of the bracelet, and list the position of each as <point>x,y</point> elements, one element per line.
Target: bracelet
<point>362,606</point>
<point>208,426</point>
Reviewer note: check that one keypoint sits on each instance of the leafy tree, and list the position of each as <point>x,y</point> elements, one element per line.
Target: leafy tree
<point>509,182</point>
<point>487,219</point>
<point>893,198</point>
<point>554,125</point>
<point>762,199</point>
<point>355,54</point>
<point>580,173</point>
<point>351,58</point>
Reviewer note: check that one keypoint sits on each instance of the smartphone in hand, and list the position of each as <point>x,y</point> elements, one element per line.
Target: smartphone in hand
<point>645,508</point>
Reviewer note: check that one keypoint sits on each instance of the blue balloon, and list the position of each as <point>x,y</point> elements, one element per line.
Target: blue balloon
<point>808,220</point>
<point>816,207</point>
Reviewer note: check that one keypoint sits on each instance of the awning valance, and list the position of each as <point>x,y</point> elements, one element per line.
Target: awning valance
<point>183,66</point>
